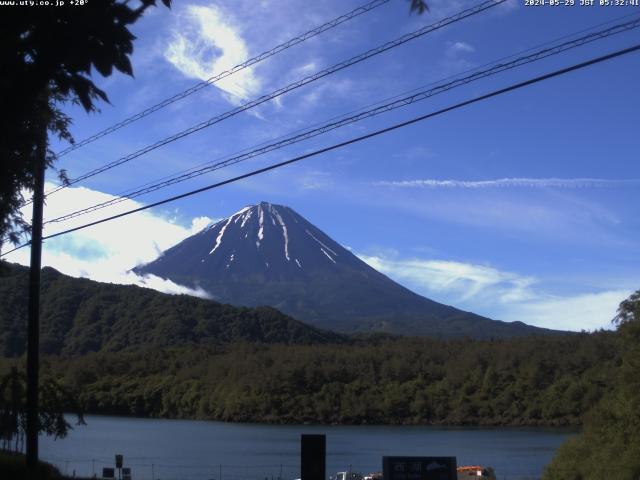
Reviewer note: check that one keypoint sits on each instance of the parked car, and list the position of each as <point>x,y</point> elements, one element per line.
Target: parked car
<point>476,471</point>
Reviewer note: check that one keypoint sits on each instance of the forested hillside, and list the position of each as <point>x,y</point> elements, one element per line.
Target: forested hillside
<point>134,351</point>
<point>80,316</point>
<point>530,381</point>
<point>609,445</point>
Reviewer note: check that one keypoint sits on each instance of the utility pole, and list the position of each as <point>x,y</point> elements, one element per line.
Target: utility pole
<point>33,319</point>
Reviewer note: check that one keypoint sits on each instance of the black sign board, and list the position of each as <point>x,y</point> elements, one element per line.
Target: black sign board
<point>108,473</point>
<point>118,461</point>
<point>126,471</point>
<point>419,468</point>
<point>313,449</point>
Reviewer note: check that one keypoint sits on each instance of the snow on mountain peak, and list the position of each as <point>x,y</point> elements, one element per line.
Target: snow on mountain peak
<point>265,239</point>
<point>267,254</point>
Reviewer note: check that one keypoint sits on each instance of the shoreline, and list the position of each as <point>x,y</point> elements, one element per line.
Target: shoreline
<point>567,428</point>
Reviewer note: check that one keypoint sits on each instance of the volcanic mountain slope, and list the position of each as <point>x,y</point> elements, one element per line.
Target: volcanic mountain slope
<point>268,254</point>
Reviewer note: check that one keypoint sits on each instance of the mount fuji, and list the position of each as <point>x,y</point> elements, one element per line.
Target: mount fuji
<point>268,254</point>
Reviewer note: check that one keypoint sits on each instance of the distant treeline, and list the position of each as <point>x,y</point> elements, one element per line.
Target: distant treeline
<point>526,381</point>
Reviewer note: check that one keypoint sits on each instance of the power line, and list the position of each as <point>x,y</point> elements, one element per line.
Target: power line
<point>252,61</point>
<point>346,120</point>
<point>387,99</point>
<point>293,86</point>
<point>336,146</point>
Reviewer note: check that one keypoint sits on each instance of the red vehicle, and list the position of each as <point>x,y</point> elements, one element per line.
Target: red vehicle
<point>476,471</point>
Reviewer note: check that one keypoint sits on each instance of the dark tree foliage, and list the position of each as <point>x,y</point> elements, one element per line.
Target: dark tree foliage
<point>609,446</point>
<point>55,400</point>
<point>548,381</point>
<point>419,6</point>
<point>78,316</point>
<point>134,351</point>
<point>46,58</point>
<point>14,466</point>
<point>629,310</point>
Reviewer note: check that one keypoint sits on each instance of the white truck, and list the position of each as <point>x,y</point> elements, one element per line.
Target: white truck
<point>347,476</point>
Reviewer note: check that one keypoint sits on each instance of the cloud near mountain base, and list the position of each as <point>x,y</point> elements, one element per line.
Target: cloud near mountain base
<point>499,294</point>
<point>108,251</point>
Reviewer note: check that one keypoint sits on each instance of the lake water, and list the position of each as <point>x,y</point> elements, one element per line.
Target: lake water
<point>199,450</point>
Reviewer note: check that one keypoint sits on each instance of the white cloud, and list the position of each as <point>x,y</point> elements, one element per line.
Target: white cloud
<point>466,281</point>
<point>454,48</point>
<point>277,103</point>
<point>509,183</point>
<point>205,43</point>
<point>498,294</point>
<point>587,311</point>
<point>306,69</point>
<point>456,57</point>
<point>199,223</point>
<point>560,215</point>
<point>106,252</point>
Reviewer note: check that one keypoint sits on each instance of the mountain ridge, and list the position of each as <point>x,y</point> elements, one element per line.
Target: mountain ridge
<point>79,316</point>
<point>268,254</point>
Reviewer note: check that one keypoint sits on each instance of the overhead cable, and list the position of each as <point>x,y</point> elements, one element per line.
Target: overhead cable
<point>414,97</point>
<point>293,86</point>
<point>241,66</point>
<point>517,86</point>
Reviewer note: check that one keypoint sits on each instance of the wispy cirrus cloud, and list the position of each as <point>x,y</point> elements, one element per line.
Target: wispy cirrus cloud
<point>561,212</point>
<point>465,281</point>
<point>510,183</point>
<point>206,42</point>
<point>500,294</point>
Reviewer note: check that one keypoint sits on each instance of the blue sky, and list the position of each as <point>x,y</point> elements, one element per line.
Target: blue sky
<point>522,207</point>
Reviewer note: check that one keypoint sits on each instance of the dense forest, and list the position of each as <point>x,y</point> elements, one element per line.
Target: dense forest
<point>528,381</point>
<point>133,351</point>
<point>189,358</point>
<point>80,316</point>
